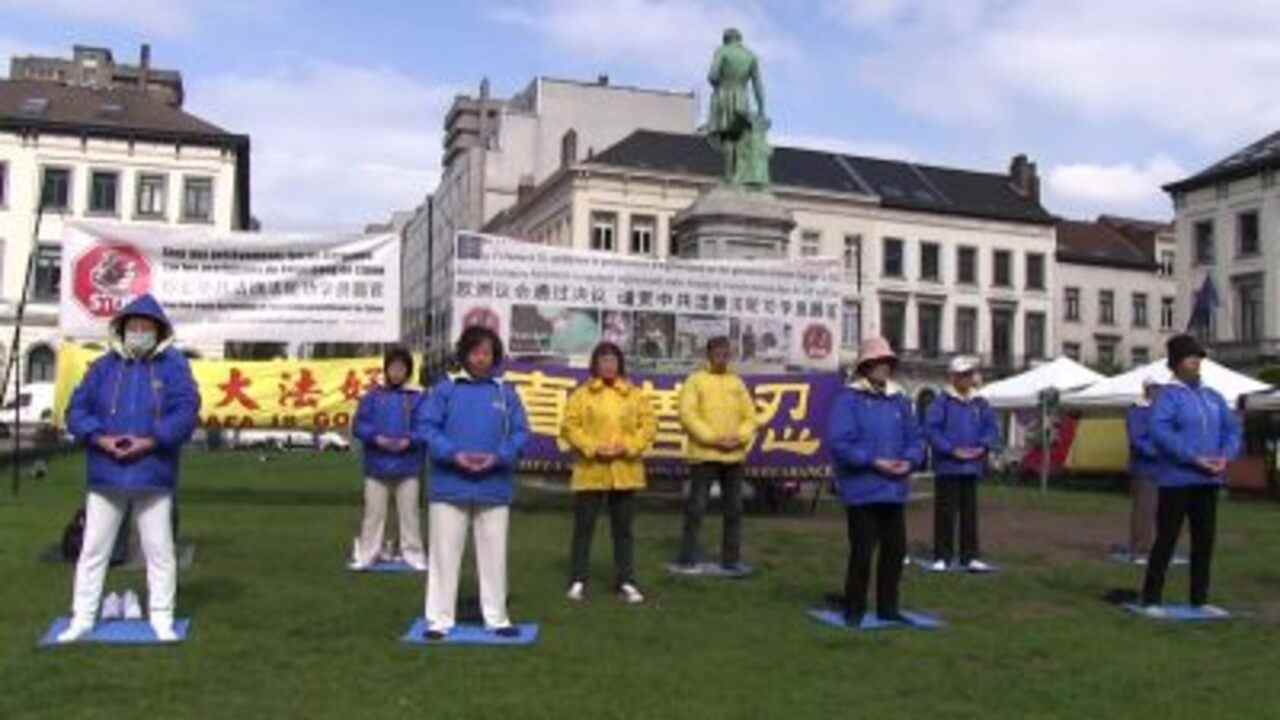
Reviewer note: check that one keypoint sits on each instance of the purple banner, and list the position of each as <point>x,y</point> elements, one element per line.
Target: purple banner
<point>792,410</point>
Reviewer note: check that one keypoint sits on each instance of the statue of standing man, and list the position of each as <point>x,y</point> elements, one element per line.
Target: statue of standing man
<point>734,128</point>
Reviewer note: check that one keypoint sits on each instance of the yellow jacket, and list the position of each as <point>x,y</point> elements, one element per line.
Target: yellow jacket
<point>712,406</point>
<point>599,414</point>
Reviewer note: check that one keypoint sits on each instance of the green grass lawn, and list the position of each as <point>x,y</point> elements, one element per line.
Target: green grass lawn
<point>281,630</point>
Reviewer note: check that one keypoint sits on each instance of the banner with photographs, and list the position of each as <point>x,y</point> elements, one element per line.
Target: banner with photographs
<point>557,303</point>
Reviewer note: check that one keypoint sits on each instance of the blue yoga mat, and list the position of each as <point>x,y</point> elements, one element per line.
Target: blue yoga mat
<point>710,569</point>
<point>915,621</point>
<point>399,566</point>
<point>115,632</point>
<point>470,635</point>
<point>926,565</point>
<point>1179,613</point>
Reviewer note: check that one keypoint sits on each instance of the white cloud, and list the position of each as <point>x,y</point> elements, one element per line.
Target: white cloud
<point>1085,188</point>
<point>1202,70</point>
<point>673,38</point>
<point>333,145</point>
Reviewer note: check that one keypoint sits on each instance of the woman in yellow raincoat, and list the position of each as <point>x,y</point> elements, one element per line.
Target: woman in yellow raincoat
<point>610,424</point>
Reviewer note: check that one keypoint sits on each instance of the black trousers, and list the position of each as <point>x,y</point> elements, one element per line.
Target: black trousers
<point>1199,504</point>
<point>622,513</point>
<point>701,476</point>
<point>883,524</point>
<point>955,495</point>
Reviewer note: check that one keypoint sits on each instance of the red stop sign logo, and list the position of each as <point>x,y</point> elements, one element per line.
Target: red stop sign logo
<point>108,277</point>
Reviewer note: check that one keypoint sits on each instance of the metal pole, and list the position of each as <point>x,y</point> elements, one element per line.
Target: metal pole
<point>14,350</point>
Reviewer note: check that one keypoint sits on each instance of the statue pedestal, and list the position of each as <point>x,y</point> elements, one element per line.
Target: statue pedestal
<point>732,223</point>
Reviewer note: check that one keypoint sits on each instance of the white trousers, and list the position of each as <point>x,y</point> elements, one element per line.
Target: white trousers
<point>104,512</point>
<point>377,493</point>
<point>448,531</point>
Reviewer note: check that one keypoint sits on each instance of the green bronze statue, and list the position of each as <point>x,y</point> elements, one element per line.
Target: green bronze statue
<point>738,131</point>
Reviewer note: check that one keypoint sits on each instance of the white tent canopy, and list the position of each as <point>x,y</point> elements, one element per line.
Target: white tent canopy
<point>1263,402</point>
<point>1023,391</point>
<point>1123,390</point>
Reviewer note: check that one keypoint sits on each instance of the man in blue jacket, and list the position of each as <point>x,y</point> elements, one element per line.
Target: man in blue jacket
<point>875,444</point>
<point>390,429</point>
<point>134,410</point>
<point>1143,461</point>
<point>476,428</point>
<point>962,430</point>
<point>1195,434</point>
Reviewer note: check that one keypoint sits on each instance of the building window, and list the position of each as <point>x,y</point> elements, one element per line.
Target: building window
<point>1268,179</point>
<point>4,184</point>
<point>893,322</point>
<point>1072,305</point>
<point>967,266</point>
<point>1035,335</point>
<point>604,226</point>
<point>1166,313</point>
<point>893,258</point>
<point>851,325</point>
<point>1141,356</point>
<point>197,200</point>
<point>1107,353</point>
<point>1002,338</point>
<point>55,189</point>
<point>810,243</point>
<point>1002,269</point>
<point>1249,311</point>
<point>930,262</point>
<point>1167,259</point>
<point>1224,190</point>
<point>1204,242</point>
<point>930,327</point>
<point>42,364</point>
<point>1035,271</point>
<point>48,273</point>
<point>1107,307</point>
<point>151,196</point>
<point>104,192</point>
<point>642,234</point>
<point>1247,233</point>
<point>967,330</point>
<point>1071,350</point>
<point>853,259</point>
<point>1140,310</point>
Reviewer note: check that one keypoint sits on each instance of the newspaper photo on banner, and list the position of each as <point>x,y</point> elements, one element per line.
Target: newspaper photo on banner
<point>240,286</point>
<point>781,314</point>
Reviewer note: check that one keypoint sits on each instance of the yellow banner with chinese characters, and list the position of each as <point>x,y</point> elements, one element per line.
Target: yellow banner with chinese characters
<point>304,394</point>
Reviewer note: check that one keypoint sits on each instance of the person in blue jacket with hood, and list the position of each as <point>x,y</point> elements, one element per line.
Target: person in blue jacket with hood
<point>1143,462</point>
<point>134,410</point>
<point>390,429</point>
<point>875,445</point>
<point>1195,434</point>
<point>962,430</point>
<point>476,429</point>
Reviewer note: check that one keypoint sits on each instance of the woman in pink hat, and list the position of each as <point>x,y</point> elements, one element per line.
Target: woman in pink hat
<point>875,444</point>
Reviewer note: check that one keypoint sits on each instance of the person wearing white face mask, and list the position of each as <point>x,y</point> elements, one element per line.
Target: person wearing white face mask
<point>134,410</point>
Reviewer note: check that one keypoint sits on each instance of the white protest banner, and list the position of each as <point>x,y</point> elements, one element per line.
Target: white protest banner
<point>247,287</point>
<point>552,301</point>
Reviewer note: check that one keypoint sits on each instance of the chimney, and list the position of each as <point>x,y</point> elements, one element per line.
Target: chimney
<point>569,148</point>
<point>144,67</point>
<point>1024,178</point>
<point>484,88</point>
<point>602,80</point>
<point>524,189</point>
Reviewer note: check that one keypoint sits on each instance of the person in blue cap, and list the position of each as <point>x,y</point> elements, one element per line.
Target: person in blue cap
<point>135,409</point>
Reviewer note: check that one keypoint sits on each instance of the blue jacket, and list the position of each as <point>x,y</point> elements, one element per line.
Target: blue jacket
<point>952,422</point>
<point>153,396</point>
<point>463,414</point>
<point>866,425</point>
<point>1143,455</point>
<point>392,413</point>
<point>1189,422</point>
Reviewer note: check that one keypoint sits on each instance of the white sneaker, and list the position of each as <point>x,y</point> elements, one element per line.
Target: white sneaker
<point>76,631</point>
<point>939,566</point>
<point>1155,611</point>
<point>1140,560</point>
<point>1212,610</point>
<point>132,607</point>
<point>163,628</point>
<point>976,565</point>
<point>906,560</point>
<point>630,594</point>
<point>577,591</point>
<point>112,607</point>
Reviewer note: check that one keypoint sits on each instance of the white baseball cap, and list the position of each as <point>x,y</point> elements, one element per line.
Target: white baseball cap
<point>962,364</point>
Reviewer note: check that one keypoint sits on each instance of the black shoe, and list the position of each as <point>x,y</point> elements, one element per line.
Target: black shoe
<point>509,631</point>
<point>892,616</point>
<point>853,616</point>
<point>434,635</point>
